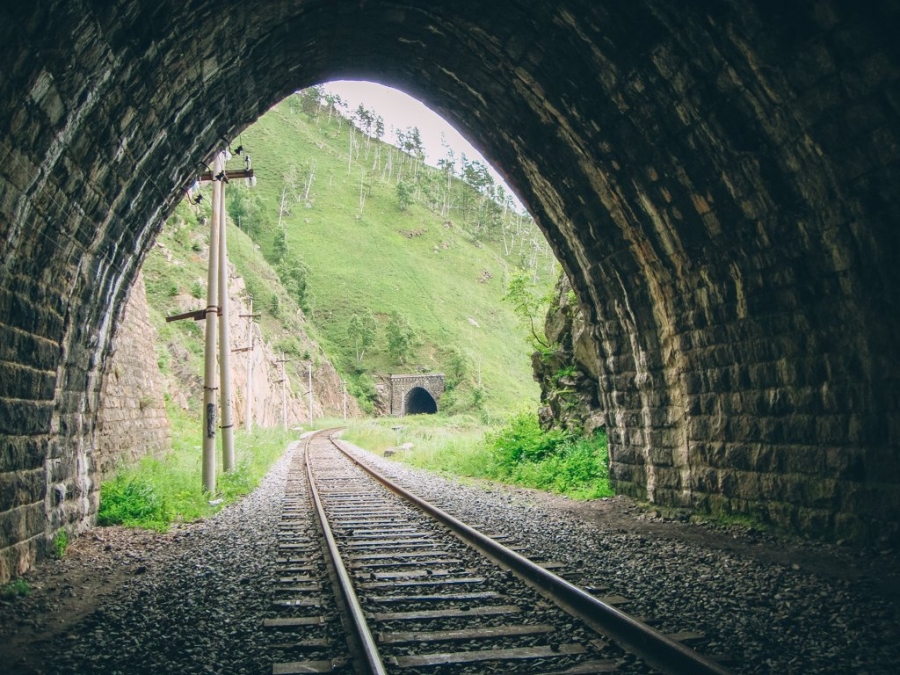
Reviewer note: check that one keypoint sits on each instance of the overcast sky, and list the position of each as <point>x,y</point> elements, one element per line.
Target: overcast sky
<point>401,111</point>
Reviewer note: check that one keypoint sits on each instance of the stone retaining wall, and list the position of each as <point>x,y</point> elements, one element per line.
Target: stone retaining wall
<point>132,420</point>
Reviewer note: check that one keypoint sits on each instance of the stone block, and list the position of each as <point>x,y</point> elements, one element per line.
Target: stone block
<point>24,418</point>
<point>21,487</point>
<point>816,522</point>
<point>737,456</point>
<point>21,523</point>
<point>704,480</point>
<point>668,477</point>
<point>674,498</point>
<point>818,493</point>
<point>23,382</point>
<point>831,429</point>
<point>764,458</point>
<point>748,486</point>
<point>16,344</point>
<point>804,459</point>
<point>17,559</point>
<point>624,454</point>
<point>781,514</point>
<point>22,453</point>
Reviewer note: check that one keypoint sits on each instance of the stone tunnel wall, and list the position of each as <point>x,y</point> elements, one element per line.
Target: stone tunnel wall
<point>817,490</point>
<point>718,179</point>
<point>132,420</point>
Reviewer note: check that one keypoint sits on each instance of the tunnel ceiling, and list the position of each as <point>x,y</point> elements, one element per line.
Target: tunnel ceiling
<point>718,180</point>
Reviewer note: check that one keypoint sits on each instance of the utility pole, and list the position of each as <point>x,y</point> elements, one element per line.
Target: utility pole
<point>216,287</point>
<point>212,309</point>
<point>309,382</point>
<point>224,338</point>
<point>249,348</point>
<point>283,392</point>
<point>344,397</point>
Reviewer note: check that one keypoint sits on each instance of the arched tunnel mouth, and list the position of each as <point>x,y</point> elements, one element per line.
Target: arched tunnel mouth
<point>719,198</point>
<point>419,402</point>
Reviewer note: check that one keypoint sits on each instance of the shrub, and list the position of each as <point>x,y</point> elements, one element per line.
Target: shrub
<point>130,501</point>
<point>18,588</point>
<point>553,460</point>
<point>523,440</point>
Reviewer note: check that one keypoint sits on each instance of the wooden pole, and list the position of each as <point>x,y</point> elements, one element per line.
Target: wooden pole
<point>250,344</point>
<point>309,375</point>
<point>283,394</point>
<point>209,368</point>
<point>225,341</point>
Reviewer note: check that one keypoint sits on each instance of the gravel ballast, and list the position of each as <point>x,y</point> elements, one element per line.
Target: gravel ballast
<point>193,600</point>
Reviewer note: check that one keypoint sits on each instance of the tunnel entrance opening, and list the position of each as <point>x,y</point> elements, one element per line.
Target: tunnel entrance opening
<point>706,230</point>
<point>419,402</point>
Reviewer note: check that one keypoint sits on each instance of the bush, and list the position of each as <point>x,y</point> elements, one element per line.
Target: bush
<point>131,501</point>
<point>553,460</point>
<point>523,440</point>
<point>19,588</point>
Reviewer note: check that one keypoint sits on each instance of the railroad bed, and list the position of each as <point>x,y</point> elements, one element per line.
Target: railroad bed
<point>377,585</point>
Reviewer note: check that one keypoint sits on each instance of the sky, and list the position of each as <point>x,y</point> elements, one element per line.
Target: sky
<point>401,111</point>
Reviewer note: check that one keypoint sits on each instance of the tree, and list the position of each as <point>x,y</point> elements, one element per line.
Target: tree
<point>457,367</point>
<point>246,209</point>
<point>275,305</point>
<point>400,338</point>
<point>528,306</point>
<point>279,245</point>
<point>294,275</point>
<point>361,331</point>
<point>404,194</point>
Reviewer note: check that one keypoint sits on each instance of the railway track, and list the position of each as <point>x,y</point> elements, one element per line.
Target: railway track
<point>373,579</point>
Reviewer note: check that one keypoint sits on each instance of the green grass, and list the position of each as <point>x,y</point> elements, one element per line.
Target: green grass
<point>517,453</point>
<point>159,491</point>
<point>17,588</point>
<point>60,544</point>
<point>366,262</point>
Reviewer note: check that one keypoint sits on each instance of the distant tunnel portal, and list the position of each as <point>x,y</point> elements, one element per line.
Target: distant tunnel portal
<point>419,402</point>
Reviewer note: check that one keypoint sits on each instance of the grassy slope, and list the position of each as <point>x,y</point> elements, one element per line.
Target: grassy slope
<point>358,263</point>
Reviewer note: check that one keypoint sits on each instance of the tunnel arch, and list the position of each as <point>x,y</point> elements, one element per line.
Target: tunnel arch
<point>718,182</point>
<point>419,401</point>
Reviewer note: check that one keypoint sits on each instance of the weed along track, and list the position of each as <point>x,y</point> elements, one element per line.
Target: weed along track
<point>375,580</point>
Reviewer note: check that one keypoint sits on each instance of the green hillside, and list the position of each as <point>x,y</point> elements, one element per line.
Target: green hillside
<point>385,234</point>
<point>175,275</point>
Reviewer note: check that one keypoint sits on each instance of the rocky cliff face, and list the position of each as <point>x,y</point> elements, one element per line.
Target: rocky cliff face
<point>264,362</point>
<point>568,369</point>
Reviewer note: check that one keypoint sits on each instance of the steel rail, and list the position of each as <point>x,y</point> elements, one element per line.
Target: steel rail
<point>360,626</point>
<point>656,648</point>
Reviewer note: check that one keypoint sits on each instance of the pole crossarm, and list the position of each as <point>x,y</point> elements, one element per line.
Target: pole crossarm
<point>207,176</point>
<point>196,315</point>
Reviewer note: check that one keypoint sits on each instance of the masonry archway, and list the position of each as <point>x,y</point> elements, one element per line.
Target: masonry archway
<point>412,394</point>
<point>718,181</point>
